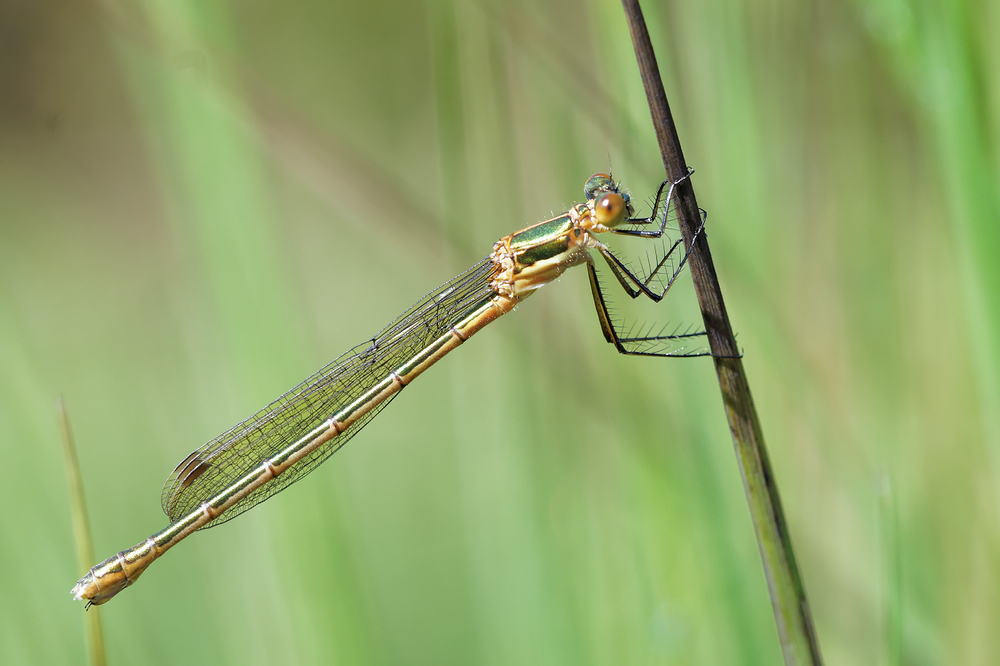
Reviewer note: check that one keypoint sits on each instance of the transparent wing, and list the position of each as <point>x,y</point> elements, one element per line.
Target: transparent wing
<point>233,454</point>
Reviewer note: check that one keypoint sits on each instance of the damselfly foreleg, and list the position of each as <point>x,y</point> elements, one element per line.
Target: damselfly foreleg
<point>655,233</point>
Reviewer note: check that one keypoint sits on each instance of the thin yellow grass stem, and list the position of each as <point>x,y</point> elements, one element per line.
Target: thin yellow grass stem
<point>81,532</point>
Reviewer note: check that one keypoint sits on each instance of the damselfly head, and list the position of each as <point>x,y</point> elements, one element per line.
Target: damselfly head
<point>611,206</point>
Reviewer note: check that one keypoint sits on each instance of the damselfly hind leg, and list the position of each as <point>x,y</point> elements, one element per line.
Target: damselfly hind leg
<point>677,342</point>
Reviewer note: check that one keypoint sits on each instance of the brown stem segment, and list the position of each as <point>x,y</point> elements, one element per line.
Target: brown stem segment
<point>788,597</point>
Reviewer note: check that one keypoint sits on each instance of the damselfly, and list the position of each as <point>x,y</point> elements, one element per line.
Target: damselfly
<point>298,431</point>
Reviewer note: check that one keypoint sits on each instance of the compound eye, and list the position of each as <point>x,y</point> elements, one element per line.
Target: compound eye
<point>610,209</point>
<point>597,183</point>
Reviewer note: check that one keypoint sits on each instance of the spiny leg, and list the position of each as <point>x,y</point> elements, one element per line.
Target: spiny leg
<point>656,233</point>
<point>621,269</point>
<point>626,277</point>
<point>645,345</point>
<point>637,346</point>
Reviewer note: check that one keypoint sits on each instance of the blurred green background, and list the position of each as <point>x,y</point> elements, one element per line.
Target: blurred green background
<point>203,202</point>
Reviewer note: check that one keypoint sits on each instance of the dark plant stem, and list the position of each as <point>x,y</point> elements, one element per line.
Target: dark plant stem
<point>788,597</point>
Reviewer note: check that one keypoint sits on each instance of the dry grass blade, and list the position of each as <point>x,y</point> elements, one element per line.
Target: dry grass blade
<point>81,531</point>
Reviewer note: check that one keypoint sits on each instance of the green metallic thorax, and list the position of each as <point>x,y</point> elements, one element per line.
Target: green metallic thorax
<point>542,252</point>
<point>545,240</point>
<point>541,233</point>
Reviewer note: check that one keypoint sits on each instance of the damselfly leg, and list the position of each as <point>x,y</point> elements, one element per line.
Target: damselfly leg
<point>650,281</point>
<point>655,233</point>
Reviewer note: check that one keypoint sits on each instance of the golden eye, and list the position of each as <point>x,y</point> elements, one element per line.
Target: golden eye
<point>610,209</point>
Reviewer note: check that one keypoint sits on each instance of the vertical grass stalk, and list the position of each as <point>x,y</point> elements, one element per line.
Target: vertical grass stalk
<point>788,598</point>
<point>81,532</point>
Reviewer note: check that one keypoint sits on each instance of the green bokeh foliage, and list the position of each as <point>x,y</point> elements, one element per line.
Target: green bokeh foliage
<point>201,203</point>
